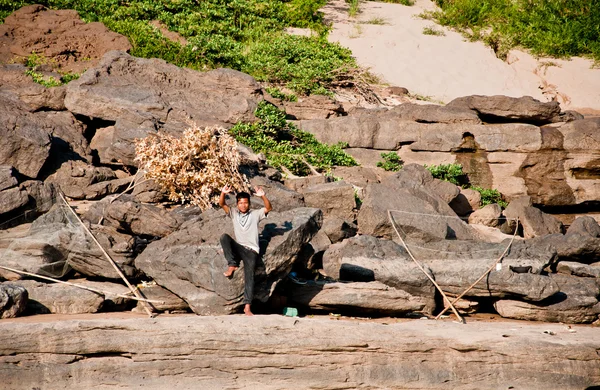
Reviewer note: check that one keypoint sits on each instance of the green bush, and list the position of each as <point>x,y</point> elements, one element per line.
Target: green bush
<point>448,172</point>
<point>246,35</point>
<point>284,145</point>
<point>391,162</point>
<point>559,28</point>
<point>489,196</point>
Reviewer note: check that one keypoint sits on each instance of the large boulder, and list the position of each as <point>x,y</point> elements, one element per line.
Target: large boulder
<point>24,138</point>
<point>577,302</point>
<point>14,81</point>
<point>573,247</point>
<point>166,300</point>
<point>128,215</point>
<point>418,212</point>
<point>585,225</point>
<point>335,199</point>
<point>533,221</point>
<point>281,197</point>
<point>12,199</point>
<point>368,259</point>
<point>190,262</point>
<point>363,298</point>
<point>431,113</point>
<point>578,269</point>
<point>46,246</point>
<point>141,96</point>
<point>59,298</point>
<point>88,259</point>
<point>75,177</point>
<point>456,265</point>
<point>501,108</point>
<point>13,300</point>
<point>489,215</point>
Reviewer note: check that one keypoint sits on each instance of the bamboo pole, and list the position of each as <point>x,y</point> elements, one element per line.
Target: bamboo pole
<point>79,285</point>
<point>423,270</point>
<point>112,262</point>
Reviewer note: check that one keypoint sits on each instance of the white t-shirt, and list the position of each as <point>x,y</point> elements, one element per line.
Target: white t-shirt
<point>245,226</point>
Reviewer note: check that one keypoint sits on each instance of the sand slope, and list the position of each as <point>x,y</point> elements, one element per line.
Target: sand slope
<point>446,67</point>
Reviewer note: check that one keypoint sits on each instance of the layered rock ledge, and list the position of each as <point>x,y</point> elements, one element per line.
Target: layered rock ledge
<point>273,352</point>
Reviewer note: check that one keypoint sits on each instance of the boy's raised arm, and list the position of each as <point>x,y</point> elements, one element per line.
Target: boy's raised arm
<point>224,191</point>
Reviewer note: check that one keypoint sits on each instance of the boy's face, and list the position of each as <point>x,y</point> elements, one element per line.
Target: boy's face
<point>243,205</point>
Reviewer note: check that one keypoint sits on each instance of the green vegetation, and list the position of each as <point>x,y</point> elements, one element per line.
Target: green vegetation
<point>490,196</point>
<point>354,7</point>
<point>403,2</point>
<point>455,175</point>
<point>391,162</point>
<point>448,172</point>
<point>278,94</point>
<point>558,28</point>
<point>34,61</point>
<point>287,147</point>
<point>247,35</point>
<point>376,21</point>
<point>433,31</point>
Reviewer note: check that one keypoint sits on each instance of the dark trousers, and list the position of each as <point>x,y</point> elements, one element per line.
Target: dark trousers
<point>235,252</point>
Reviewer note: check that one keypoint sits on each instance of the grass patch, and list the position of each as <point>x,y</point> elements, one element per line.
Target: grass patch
<point>354,8</point>
<point>247,35</point>
<point>285,146</point>
<point>376,21</point>
<point>557,28</point>
<point>403,2</point>
<point>433,31</point>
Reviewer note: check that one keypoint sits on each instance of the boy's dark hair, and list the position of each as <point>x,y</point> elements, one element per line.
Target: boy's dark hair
<point>242,195</point>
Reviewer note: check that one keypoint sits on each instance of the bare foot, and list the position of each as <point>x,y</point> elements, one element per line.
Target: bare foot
<point>247,310</point>
<point>230,271</point>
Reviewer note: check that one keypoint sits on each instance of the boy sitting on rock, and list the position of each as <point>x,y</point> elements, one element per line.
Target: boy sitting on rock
<point>245,246</point>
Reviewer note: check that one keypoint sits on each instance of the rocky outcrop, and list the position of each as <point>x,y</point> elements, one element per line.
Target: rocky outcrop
<point>577,302</point>
<point>364,298</point>
<point>552,164</point>
<point>58,298</point>
<point>58,35</point>
<point>199,352</point>
<point>416,210</point>
<point>141,96</point>
<point>503,108</point>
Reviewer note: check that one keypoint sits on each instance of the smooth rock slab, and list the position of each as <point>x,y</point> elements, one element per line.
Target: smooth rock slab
<point>274,352</point>
<point>363,298</point>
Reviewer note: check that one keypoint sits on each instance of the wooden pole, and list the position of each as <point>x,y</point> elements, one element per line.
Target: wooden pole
<point>423,270</point>
<point>112,262</point>
<point>78,285</point>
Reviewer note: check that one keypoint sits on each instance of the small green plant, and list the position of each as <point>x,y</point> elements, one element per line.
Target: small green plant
<point>39,78</point>
<point>278,94</point>
<point>433,31</point>
<point>448,172</point>
<point>489,196</point>
<point>391,162</point>
<point>357,200</point>
<point>354,7</point>
<point>376,21</point>
<point>286,147</point>
<point>403,2</point>
<point>35,60</point>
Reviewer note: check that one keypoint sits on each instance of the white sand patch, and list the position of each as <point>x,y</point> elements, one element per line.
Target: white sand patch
<point>446,67</point>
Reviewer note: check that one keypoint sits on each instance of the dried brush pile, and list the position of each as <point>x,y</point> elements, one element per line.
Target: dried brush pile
<point>192,169</point>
